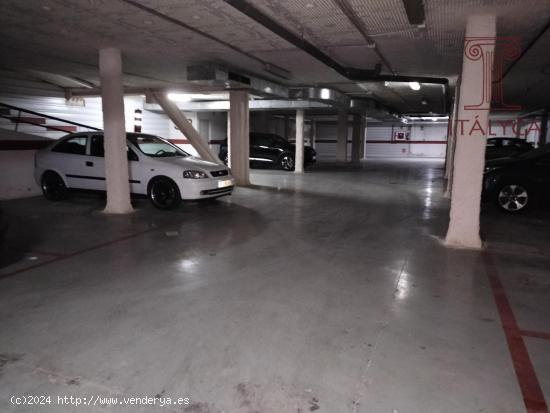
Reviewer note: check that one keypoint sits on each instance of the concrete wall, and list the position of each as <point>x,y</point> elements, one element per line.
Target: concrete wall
<point>16,172</point>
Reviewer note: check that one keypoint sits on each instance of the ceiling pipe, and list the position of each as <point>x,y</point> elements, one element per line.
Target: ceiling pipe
<point>350,13</point>
<point>358,75</point>
<point>259,17</point>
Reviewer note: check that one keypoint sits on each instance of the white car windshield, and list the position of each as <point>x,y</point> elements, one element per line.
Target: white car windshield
<point>156,147</point>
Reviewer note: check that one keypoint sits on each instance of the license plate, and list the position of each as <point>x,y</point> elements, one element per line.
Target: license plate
<point>224,184</point>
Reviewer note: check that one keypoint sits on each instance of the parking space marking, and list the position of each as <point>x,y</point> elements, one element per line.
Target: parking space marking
<point>531,391</point>
<point>535,334</point>
<point>79,252</point>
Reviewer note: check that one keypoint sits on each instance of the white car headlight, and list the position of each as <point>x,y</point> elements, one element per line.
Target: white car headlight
<point>194,174</point>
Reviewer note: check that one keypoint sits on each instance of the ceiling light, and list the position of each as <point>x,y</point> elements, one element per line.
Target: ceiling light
<point>325,93</point>
<point>414,85</point>
<point>196,17</point>
<point>424,101</point>
<point>179,97</point>
<point>147,22</point>
<point>309,5</point>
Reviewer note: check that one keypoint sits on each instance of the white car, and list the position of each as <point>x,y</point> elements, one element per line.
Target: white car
<point>157,168</point>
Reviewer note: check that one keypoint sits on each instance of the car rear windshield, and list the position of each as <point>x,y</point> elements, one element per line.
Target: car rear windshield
<point>535,153</point>
<point>156,147</point>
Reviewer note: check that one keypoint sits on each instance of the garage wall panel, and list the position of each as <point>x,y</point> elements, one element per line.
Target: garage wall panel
<point>90,114</point>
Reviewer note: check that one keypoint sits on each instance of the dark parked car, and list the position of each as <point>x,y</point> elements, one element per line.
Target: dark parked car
<point>3,228</point>
<point>519,182</point>
<point>267,149</point>
<point>506,147</point>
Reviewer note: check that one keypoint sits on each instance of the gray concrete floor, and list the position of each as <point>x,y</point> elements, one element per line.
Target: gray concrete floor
<point>324,292</point>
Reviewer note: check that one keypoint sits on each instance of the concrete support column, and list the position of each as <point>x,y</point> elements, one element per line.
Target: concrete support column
<point>469,158</point>
<point>299,161</point>
<point>451,142</point>
<point>356,139</point>
<point>239,151</point>
<point>362,147</point>
<point>179,119</point>
<point>342,137</point>
<point>228,139</point>
<point>116,161</point>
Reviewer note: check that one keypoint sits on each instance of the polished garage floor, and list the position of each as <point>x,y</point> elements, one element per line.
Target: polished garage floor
<point>326,292</point>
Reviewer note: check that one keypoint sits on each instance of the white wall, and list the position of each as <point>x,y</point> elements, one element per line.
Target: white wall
<point>377,136</point>
<point>90,114</point>
<point>428,133</point>
<point>216,129</point>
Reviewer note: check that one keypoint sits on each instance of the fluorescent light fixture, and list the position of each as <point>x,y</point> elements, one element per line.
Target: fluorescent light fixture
<point>427,118</point>
<point>414,85</point>
<point>188,97</point>
<point>325,94</point>
<point>179,97</point>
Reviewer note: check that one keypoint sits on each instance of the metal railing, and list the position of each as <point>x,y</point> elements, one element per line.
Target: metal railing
<point>17,119</point>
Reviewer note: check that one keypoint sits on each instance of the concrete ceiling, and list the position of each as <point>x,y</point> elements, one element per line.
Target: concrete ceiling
<point>162,37</point>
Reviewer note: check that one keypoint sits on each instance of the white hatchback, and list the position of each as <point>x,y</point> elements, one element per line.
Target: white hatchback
<point>157,168</point>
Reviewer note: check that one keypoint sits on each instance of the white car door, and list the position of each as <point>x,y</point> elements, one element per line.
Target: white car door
<point>97,166</point>
<point>69,158</point>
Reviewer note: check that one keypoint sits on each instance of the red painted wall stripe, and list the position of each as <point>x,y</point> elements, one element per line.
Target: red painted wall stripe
<point>61,257</point>
<point>36,121</point>
<point>63,128</point>
<point>410,142</point>
<point>525,372</point>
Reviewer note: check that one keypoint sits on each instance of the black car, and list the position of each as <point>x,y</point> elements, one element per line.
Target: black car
<point>519,182</point>
<point>506,147</point>
<point>3,229</point>
<point>267,149</point>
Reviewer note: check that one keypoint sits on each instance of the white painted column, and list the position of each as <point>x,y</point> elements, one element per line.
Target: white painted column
<point>451,142</point>
<point>363,146</point>
<point>449,160</point>
<point>228,139</point>
<point>469,157</point>
<point>116,161</point>
<point>299,161</point>
<point>239,136</point>
<point>356,139</point>
<point>342,137</point>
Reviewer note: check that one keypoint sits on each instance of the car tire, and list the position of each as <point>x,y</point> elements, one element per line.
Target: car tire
<point>514,197</point>
<point>163,193</point>
<point>286,162</point>
<point>53,186</point>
